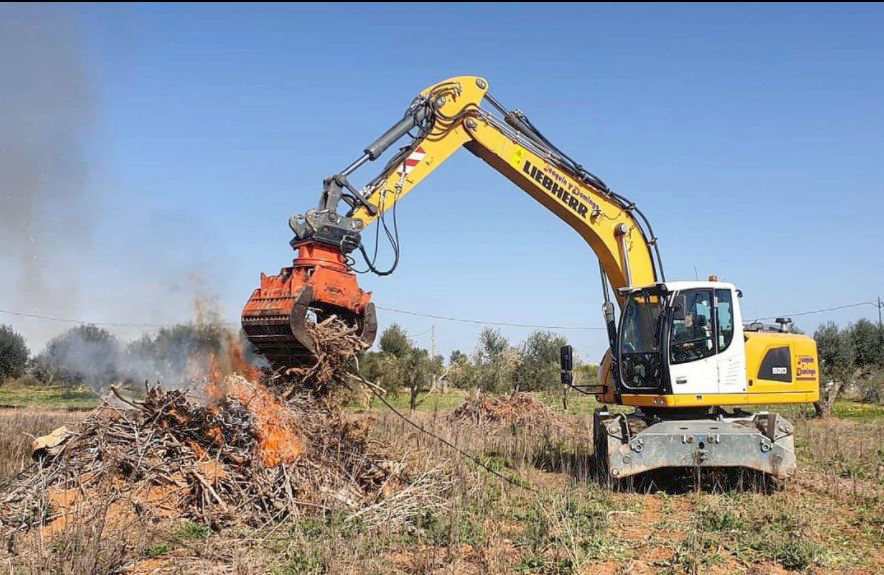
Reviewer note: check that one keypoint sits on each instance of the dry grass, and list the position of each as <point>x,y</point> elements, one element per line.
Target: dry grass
<point>17,429</point>
<point>829,520</point>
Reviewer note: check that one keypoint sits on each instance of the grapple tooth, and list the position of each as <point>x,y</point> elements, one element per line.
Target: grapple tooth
<point>298,320</point>
<point>369,324</point>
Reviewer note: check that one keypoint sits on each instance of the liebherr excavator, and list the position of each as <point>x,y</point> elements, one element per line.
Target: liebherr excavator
<point>679,354</point>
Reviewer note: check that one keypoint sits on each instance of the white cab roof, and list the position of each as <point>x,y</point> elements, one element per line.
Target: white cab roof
<point>684,285</point>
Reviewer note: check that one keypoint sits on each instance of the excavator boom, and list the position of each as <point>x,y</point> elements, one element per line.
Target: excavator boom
<point>445,118</point>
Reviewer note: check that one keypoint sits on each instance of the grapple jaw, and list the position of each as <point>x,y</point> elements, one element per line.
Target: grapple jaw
<point>277,317</point>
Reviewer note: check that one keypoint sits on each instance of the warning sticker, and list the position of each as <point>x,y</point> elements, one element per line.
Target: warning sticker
<point>518,157</point>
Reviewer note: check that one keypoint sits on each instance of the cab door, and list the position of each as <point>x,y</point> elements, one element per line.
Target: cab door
<point>693,365</point>
<point>731,356</point>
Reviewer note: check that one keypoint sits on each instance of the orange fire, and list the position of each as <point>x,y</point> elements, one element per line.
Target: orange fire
<point>215,367</point>
<point>228,374</point>
<point>236,357</point>
<point>279,442</point>
<point>232,359</point>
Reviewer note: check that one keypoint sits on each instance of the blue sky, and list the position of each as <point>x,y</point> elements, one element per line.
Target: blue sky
<point>751,136</point>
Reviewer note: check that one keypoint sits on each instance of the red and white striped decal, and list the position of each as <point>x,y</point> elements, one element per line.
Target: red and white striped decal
<point>412,160</point>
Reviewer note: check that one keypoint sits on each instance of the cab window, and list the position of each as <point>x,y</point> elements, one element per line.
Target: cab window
<point>640,342</point>
<point>725,318</point>
<point>692,329</point>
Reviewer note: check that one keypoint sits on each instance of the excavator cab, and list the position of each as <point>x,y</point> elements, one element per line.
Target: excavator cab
<point>675,338</point>
<point>318,284</point>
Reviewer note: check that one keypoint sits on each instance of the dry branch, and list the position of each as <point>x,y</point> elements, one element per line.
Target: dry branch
<point>261,453</point>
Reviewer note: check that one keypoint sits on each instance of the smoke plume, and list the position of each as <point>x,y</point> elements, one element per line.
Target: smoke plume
<point>195,356</point>
<point>45,112</point>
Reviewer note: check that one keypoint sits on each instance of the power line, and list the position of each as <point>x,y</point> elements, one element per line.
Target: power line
<point>511,480</point>
<point>416,314</point>
<point>817,310</point>
<point>413,313</point>
<point>80,321</point>
<point>423,333</point>
<point>480,322</point>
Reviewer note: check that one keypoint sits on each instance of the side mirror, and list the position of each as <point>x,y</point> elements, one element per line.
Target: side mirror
<point>566,358</point>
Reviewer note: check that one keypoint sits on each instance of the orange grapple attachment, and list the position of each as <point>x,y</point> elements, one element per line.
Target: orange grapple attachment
<point>318,284</point>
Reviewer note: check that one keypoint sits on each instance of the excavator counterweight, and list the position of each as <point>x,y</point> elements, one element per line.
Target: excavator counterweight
<point>318,284</point>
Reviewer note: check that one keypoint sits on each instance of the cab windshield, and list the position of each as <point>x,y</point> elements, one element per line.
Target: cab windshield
<point>640,341</point>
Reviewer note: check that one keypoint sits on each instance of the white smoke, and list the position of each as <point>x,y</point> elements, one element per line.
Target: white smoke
<point>184,356</point>
<point>45,114</point>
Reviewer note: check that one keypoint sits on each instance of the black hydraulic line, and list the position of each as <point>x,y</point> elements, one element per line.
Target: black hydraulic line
<point>653,239</point>
<point>520,122</point>
<point>394,242</point>
<point>420,114</point>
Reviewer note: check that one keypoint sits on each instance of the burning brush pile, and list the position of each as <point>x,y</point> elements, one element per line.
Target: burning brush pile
<point>514,409</point>
<point>262,450</point>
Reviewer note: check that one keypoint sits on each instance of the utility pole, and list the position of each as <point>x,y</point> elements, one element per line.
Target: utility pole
<point>879,312</point>
<point>433,356</point>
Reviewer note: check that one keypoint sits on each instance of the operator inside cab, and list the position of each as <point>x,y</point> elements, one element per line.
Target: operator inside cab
<point>691,331</point>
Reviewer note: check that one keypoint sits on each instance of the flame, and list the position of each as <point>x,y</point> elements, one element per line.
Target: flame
<point>227,373</point>
<point>211,371</point>
<point>231,360</point>
<point>213,366</point>
<point>236,358</point>
<point>279,442</point>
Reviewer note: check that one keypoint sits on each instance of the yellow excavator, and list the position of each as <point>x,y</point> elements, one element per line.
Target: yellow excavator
<point>679,353</point>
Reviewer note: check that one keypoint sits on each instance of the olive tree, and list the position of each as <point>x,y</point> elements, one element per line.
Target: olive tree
<point>13,353</point>
<point>400,364</point>
<point>85,354</point>
<point>538,366</point>
<point>836,359</point>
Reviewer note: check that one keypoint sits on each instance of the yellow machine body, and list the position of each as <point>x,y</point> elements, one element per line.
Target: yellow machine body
<point>799,385</point>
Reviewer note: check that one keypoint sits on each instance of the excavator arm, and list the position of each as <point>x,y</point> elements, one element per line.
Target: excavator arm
<point>442,119</point>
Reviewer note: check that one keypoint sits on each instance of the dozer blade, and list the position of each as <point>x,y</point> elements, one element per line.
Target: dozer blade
<point>278,316</point>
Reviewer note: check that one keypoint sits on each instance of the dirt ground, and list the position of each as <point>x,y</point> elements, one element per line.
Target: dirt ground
<point>552,518</point>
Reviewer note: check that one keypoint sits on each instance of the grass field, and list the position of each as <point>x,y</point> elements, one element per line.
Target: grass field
<point>83,398</point>
<point>47,397</point>
<point>585,404</point>
<point>553,519</point>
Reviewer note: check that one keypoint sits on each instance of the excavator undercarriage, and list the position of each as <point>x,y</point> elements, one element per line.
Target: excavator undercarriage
<point>627,445</point>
